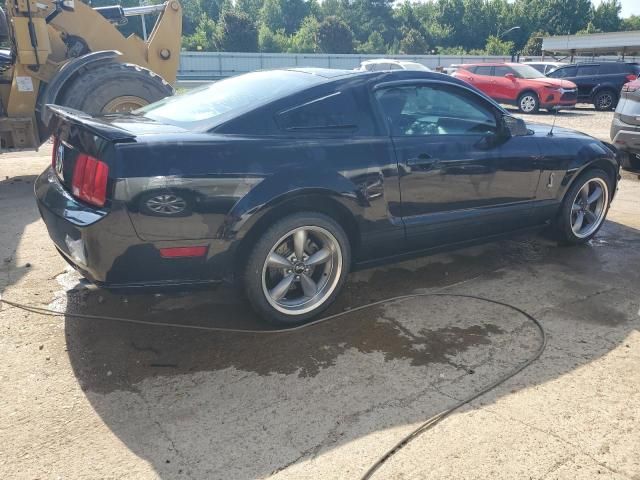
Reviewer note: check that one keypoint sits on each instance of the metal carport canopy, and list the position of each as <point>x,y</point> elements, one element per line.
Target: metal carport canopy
<point>618,43</point>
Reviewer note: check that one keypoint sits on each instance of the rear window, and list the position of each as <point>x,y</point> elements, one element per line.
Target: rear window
<point>206,107</point>
<point>501,71</point>
<point>610,68</point>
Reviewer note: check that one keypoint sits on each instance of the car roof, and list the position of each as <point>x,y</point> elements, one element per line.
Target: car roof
<point>321,72</point>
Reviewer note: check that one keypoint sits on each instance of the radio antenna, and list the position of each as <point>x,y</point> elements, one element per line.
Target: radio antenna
<point>553,125</point>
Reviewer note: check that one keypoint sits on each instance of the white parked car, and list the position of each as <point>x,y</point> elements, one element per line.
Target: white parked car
<point>545,67</point>
<point>382,64</point>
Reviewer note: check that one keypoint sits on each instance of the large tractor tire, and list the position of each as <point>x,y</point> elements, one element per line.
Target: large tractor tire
<point>114,88</point>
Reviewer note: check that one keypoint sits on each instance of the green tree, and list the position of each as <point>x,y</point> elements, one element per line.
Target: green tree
<point>374,44</point>
<point>212,8</point>
<point>250,7</point>
<point>335,36</point>
<point>272,42</point>
<point>533,47</point>
<point>606,16</point>
<point>305,39</point>
<point>495,46</point>
<point>631,23</point>
<point>589,29</point>
<point>366,16</point>
<point>284,14</point>
<point>236,32</point>
<point>203,38</point>
<point>413,43</point>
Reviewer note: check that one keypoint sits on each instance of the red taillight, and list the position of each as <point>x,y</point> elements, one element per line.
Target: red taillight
<point>631,77</point>
<point>90,180</point>
<point>54,152</point>
<point>180,252</point>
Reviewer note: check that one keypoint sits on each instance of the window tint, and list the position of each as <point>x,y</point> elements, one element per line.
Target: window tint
<point>501,71</point>
<point>587,70</point>
<point>203,108</point>
<point>435,110</point>
<point>564,72</point>
<point>611,68</point>
<point>483,71</point>
<point>334,112</point>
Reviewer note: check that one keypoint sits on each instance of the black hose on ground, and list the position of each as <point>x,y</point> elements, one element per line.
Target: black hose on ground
<point>428,424</point>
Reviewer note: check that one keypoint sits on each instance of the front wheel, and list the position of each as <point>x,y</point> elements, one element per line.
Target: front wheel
<point>297,268</point>
<point>584,208</point>
<point>528,102</point>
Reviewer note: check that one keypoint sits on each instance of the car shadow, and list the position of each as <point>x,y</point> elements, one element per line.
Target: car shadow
<point>230,405</point>
<point>18,211</point>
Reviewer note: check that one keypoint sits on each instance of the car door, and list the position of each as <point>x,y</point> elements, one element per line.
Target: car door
<point>459,179</point>
<point>590,78</point>
<point>483,79</point>
<point>504,89</point>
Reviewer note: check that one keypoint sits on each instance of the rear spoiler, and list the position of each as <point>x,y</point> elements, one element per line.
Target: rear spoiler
<point>93,124</point>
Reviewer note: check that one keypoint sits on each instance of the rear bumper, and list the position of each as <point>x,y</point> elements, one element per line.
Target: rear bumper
<point>624,136</point>
<point>103,246</point>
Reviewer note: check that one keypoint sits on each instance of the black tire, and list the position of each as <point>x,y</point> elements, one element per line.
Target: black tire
<point>255,267</point>
<point>530,106</point>
<point>605,100</point>
<point>564,222</point>
<point>97,89</point>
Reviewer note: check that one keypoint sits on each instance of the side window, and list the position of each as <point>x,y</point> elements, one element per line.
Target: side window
<point>501,71</point>
<point>564,72</point>
<point>483,71</point>
<point>336,112</point>
<point>588,70</point>
<point>435,110</point>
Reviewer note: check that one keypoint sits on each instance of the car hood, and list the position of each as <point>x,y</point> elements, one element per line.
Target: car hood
<point>554,82</point>
<point>542,129</point>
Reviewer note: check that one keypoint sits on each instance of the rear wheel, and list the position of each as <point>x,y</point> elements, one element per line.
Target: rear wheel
<point>584,207</point>
<point>115,88</point>
<point>605,100</point>
<point>528,102</point>
<point>297,268</point>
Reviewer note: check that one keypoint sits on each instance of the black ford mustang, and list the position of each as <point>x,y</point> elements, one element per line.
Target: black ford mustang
<point>287,179</point>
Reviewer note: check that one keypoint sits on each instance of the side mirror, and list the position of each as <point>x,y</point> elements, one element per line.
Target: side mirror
<point>514,127</point>
<point>511,77</point>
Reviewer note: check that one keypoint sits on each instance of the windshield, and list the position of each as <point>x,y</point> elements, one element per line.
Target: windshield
<point>526,71</point>
<point>203,108</point>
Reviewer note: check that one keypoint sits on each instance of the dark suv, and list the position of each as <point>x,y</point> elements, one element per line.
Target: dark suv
<point>625,127</point>
<point>599,83</point>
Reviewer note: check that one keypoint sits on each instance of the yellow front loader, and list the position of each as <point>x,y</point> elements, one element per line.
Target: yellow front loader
<point>67,53</point>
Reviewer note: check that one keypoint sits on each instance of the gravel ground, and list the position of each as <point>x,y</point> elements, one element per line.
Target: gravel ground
<point>88,399</point>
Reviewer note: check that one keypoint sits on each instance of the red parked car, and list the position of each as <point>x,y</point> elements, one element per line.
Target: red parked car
<point>519,85</point>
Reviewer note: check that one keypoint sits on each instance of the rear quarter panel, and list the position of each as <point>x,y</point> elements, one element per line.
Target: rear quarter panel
<point>229,182</point>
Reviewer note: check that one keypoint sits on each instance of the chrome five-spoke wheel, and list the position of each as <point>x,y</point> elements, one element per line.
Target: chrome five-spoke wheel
<point>589,207</point>
<point>302,270</point>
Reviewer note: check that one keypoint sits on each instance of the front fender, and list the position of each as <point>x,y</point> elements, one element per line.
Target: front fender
<point>594,154</point>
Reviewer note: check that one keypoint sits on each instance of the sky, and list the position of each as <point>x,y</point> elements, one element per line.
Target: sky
<point>629,7</point>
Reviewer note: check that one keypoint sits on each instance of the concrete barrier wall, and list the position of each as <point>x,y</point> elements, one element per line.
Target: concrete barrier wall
<point>214,65</point>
